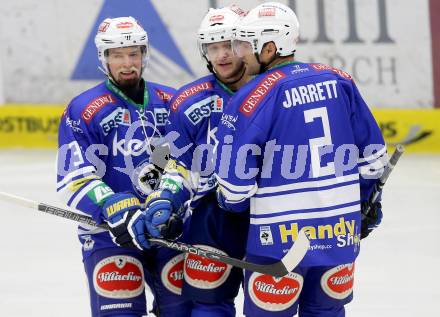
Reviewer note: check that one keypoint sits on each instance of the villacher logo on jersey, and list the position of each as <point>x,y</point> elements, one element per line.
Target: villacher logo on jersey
<point>172,274</point>
<point>118,277</point>
<point>338,281</point>
<point>205,273</point>
<point>274,294</point>
<point>199,265</point>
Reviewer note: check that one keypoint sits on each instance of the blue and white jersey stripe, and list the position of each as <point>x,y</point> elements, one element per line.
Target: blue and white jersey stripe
<point>314,213</point>
<point>309,198</point>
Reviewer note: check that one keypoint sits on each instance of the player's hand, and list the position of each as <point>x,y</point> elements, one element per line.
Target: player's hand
<point>162,220</point>
<point>221,199</point>
<point>126,221</point>
<point>372,220</point>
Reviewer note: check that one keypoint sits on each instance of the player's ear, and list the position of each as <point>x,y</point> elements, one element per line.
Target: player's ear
<point>268,50</point>
<point>271,48</point>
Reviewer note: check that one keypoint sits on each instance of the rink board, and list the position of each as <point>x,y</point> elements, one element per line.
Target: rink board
<point>36,126</point>
<point>29,126</point>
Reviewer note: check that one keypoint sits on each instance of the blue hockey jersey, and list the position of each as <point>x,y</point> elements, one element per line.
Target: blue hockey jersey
<point>105,141</point>
<point>195,113</point>
<point>299,146</point>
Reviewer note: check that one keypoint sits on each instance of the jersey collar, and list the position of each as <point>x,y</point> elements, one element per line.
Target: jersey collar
<point>225,88</point>
<point>284,64</point>
<point>111,86</point>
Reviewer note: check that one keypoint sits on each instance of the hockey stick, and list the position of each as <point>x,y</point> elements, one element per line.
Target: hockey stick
<point>381,182</point>
<point>278,269</point>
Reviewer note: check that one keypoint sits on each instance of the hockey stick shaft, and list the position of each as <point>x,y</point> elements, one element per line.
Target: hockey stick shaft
<point>386,173</point>
<point>278,269</point>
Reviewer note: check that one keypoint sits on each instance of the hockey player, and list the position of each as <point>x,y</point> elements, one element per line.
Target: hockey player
<point>196,110</point>
<point>299,146</point>
<point>106,137</point>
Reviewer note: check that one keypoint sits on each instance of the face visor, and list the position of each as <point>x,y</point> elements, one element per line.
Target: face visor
<point>241,48</point>
<point>126,56</point>
<point>217,50</point>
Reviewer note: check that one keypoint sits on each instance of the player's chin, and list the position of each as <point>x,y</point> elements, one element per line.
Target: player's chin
<point>128,82</point>
<point>229,73</point>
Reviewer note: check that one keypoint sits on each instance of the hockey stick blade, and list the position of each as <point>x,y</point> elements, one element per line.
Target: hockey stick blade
<point>278,269</point>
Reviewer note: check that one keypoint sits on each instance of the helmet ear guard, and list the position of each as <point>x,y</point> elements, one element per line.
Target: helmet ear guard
<point>120,32</point>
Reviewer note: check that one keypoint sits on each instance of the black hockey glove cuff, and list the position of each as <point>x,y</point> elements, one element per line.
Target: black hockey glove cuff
<point>371,220</point>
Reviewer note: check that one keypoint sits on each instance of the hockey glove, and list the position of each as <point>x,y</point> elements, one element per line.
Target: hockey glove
<point>162,218</point>
<point>221,199</point>
<point>237,207</point>
<point>126,221</point>
<point>371,220</point>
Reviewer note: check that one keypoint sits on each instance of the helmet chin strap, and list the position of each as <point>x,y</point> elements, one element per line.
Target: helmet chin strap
<point>241,76</point>
<point>103,71</point>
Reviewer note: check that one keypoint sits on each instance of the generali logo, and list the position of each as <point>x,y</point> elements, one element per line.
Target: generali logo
<point>95,105</point>
<point>252,100</point>
<point>205,273</point>
<point>338,281</point>
<point>320,67</point>
<point>188,93</point>
<point>275,294</point>
<point>119,277</point>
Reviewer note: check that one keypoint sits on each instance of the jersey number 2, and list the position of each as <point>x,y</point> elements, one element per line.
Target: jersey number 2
<point>321,145</point>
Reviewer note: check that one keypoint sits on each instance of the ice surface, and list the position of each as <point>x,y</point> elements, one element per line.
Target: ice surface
<point>41,272</point>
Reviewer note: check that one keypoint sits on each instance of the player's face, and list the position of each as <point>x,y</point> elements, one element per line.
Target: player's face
<point>227,66</point>
<point>125,65</point>
<point>243,50</point>
<point>252,64</point>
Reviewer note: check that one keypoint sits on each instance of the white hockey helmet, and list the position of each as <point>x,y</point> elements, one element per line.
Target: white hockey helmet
<point>120,32</point>
<point>217,26</point>
<point>269,22</point>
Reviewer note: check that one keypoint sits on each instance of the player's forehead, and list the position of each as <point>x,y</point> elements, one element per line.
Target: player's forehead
<point>219,44</point>
<point>125,50</point>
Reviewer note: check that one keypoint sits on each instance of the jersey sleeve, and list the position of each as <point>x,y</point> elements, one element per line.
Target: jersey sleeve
<point>79,167</point>
<point>239,155</point>
<point>178,176</point>
<point>368,138</point>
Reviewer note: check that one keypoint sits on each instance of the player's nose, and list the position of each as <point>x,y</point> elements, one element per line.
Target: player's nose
<point>226,52</point>
<point>127,61</point>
